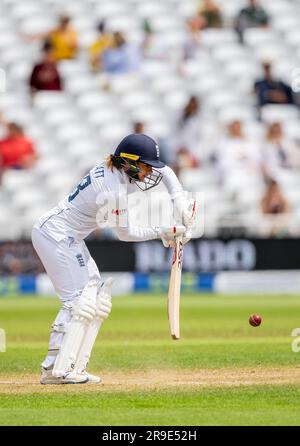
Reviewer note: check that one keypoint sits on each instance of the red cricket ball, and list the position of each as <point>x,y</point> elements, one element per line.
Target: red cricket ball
<point>255,320</point>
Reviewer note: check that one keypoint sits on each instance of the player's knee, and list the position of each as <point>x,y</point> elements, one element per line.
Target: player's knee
<point>63,318</point>
<point>67,305</point>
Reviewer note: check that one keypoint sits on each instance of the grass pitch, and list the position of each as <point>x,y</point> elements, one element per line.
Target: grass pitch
<point>221,372</point>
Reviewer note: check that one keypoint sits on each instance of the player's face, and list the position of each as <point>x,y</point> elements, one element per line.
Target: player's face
<point>145,171</point>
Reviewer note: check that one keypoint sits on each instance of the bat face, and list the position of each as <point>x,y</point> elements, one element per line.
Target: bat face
<point>174,289</point>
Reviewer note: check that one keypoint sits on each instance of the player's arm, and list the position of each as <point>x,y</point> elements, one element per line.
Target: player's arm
<point>113,209</point>
<point>135,233</point>
<point>171,182</point>
<point>138,234</point>
<point>37,36</point>
<point>184,208</point>
<point>128,232</point>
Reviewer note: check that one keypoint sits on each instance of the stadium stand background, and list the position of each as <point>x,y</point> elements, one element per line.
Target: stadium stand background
<point>74,128</point>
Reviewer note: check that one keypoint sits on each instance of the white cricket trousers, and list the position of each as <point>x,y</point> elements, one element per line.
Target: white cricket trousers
<point>70,267</point>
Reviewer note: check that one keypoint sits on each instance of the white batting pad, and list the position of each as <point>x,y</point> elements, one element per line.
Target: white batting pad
<point>84,312</point>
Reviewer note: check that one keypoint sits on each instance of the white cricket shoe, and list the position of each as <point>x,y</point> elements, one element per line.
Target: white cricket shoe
<point>92,379</point>
<point>69,378</point>
<point>48,378</point>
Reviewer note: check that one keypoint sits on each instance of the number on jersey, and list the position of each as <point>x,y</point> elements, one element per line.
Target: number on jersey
<point>85,182</point>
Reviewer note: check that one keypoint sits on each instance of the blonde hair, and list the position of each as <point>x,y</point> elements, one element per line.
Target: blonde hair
<point>109,162</point>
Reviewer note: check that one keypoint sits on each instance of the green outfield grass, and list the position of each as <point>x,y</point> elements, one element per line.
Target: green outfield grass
<point>222,371</point>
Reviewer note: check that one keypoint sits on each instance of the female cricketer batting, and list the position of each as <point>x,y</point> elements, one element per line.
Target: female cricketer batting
<point>58,238</point>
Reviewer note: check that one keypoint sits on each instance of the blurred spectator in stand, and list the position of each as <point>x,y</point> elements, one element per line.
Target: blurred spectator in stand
<point>276,210</point>
<point>139,127</point>
<point>279,152</point>
<point>272,91</point>
<point>187,135</point>
<point>192,42</point>
<point>210,12</point>
<point>188,126</point>
<point>45,75</point>
<point>102,43</point>
<point>122,58</point>
<point>19,258</point>
<point>16,150</point>
<point>273,200</point>
<point>185,159</point>
<point>64,39</point>
<point>252,16</point>
<point>236,154</point>
<point>148,33</point>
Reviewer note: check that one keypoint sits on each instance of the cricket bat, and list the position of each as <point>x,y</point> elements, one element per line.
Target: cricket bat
<point>174,288</point>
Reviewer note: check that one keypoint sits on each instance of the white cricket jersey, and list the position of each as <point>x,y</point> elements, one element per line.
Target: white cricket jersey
<point>76,215</point>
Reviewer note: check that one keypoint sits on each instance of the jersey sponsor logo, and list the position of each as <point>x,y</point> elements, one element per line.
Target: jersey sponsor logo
<point>118,211</point>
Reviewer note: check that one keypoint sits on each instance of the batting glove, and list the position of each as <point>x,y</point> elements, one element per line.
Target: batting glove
<point>104,304</point>
<point>185,211</point>
<point>169,234</point>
